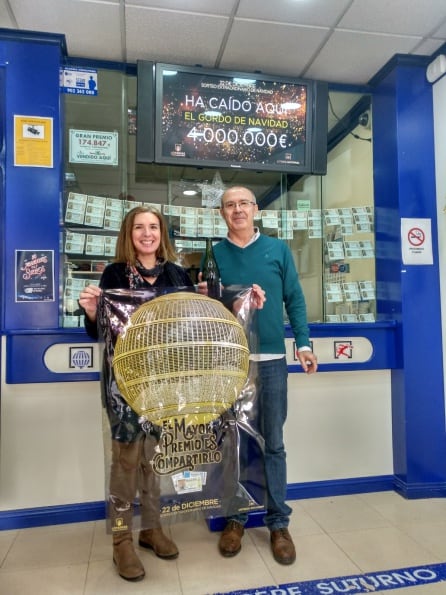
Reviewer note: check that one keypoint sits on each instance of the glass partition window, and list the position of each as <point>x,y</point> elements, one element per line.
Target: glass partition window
<point>348,231</point>
<point>326,220</point>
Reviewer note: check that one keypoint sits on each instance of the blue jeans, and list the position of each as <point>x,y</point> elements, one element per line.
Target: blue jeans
<point>272,395</point>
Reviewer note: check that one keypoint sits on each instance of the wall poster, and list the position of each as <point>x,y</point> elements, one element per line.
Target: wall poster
<point>34,272</point>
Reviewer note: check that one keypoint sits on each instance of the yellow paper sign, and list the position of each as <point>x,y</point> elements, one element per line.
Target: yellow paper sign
<point>33,141</point>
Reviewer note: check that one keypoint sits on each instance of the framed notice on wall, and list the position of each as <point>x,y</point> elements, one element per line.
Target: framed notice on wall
<point>93,147</point>
<point>33,141</point>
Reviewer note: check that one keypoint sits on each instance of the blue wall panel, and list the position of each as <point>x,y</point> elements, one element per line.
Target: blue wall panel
<point>25,357</point>
<point>32,194</point>
<point>404,180</point>
<point>2,187</point>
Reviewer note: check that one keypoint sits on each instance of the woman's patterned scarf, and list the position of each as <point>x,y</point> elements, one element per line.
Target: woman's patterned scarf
<point>136,280</point>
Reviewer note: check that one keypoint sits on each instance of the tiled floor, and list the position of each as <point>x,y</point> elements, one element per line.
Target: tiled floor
<point>335,537</point>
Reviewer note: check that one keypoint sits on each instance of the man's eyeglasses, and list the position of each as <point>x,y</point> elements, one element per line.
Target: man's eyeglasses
<point>242,204</point>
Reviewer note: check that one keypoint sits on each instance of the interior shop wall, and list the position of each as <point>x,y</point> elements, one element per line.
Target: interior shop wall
<point>339,426</point>
<point>51,444</point>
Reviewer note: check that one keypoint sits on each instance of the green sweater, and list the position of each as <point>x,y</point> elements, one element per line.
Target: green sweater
<point>269,263</point>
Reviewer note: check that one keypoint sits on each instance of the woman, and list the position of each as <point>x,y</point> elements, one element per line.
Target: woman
<point>144,260</point>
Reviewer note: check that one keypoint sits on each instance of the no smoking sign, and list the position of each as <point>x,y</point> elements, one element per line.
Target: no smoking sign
<point>416,236</point>
<point>416,241</point>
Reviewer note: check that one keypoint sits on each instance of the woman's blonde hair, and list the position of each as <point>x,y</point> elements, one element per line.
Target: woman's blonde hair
<point>125,250</point>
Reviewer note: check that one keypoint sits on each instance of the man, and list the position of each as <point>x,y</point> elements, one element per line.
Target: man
<point>245,257</point>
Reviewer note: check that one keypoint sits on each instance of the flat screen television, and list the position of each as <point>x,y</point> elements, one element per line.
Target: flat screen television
<point>213,118</point>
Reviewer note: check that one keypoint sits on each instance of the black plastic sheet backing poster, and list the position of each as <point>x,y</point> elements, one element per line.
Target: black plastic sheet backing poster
<point>206,454</point>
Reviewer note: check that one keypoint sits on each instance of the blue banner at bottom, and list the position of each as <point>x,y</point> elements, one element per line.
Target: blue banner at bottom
<point>360,583</point>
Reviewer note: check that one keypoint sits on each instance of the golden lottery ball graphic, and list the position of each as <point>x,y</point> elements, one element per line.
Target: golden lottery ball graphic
<point>181,355</point>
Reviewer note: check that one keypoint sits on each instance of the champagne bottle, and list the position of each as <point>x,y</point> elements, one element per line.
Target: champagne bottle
<point>211,274</point>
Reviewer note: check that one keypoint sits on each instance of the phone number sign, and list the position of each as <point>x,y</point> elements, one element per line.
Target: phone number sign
<point>79,81</point>
<point>93,147</point>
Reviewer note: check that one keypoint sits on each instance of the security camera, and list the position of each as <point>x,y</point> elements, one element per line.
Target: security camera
<point>365,119</point>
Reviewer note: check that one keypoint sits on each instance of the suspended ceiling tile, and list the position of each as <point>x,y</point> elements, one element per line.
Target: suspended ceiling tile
<point>6,19</point>
<point>173,37</point>
<point>428,47</point>
<point>271,48</point>
<point>90,28</point>
<point>440,32</point>
<point>403,17</point>
<point>315,12</point>
<point>221,7</point>
<point>350,57</point>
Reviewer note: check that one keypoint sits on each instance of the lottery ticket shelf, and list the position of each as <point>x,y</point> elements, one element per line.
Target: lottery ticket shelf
<point>91,225</point>
<point>88,240</point>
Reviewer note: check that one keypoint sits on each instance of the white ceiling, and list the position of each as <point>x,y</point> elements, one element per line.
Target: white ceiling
<point>342,41</point>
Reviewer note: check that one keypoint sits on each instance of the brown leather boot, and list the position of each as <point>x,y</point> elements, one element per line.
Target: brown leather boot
<point>231,539</point>
<point>151,535</point>
<point>123,476</point>
<point>156,540</point>
<point>282,546</point>
<point>127,562</point>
